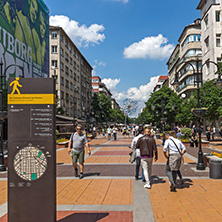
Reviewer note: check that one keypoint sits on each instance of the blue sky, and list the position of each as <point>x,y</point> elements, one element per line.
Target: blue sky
<point>127,42</point>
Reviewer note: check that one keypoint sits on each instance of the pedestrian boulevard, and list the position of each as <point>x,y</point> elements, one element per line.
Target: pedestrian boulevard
<point>109,192</point>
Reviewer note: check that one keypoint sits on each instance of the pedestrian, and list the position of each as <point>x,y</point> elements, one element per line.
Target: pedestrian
<point>104,132</point>
<point>179,133</point>
<point>148,149</point>
<point>109,132</point>
<point>78,141</point>
<point>213,132</point>
<point>208,133</point>
<point>173,151</point>
<point>138,160</point>
<point>115,133</point>
<point>194,140</point>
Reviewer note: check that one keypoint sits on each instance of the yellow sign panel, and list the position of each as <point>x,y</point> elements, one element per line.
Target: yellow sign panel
<point>31,99</point>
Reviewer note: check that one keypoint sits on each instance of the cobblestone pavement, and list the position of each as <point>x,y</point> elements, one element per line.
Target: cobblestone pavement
<point>109,192</point>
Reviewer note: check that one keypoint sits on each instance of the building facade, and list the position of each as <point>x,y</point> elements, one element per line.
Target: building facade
<point>211,30</point>
<point>73,75</point>
<point>99,87</point>
<point>161,81</point>
<point>185,59</point>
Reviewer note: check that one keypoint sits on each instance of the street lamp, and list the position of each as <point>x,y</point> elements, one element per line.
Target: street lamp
<point>3,113</point>
<point>198,81</point>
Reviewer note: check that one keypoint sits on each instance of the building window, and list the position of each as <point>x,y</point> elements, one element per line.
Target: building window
<point>217,15</point>
<point>54,48</point>
<point>217,40</point>
<point>66,56</point>
<point>61,38</point>
<point>206,22</point>
<point>218,59</point>
<point>67,84</point>
<point>62,95</point>
<point>67,70</point>
<point>61,52</point>
<point>70,73</point>
<point>207,43</point>
<point>70,60</point>
<point>61,66</point>
<point>54,63</point>
<point>62,81</point>
<point>54,35</point>
<point>191,38</point>
<point>67,97</point>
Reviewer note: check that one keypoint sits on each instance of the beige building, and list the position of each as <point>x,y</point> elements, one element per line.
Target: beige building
<point>211,27</point>
<point>73,74</point>
<point>183,59</point>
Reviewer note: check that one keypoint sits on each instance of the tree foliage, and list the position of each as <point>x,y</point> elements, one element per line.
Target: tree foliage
<point>102,110</point>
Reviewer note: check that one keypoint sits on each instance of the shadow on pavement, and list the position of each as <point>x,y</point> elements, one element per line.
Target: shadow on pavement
<point>156,180</point>
<point>84,217</point>
<point>187,184</point>
<point>91,174</point>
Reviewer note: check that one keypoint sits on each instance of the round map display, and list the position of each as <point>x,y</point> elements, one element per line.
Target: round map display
<point>30,163</point>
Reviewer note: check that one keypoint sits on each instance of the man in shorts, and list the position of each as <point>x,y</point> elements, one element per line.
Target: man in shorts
<point>78,141</point>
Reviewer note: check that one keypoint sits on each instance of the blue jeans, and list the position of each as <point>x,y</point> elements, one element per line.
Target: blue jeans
<point>138,163</point>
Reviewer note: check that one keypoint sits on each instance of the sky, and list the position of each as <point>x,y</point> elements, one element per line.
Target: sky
<point>127,42</point>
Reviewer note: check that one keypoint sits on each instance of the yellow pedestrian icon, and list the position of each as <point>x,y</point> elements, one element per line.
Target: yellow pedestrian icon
<point>15,84</point>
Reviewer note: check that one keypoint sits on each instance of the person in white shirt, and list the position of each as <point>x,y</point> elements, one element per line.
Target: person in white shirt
<point>115,133</point>
<point>138,160</point>
<point>173,150</point>
<point>109,132</point>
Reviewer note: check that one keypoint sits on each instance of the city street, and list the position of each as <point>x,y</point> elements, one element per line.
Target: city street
<point>109,191</point>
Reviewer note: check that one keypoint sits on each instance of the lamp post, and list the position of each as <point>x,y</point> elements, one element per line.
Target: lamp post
<point>198,81</point>
<point>2,112</point>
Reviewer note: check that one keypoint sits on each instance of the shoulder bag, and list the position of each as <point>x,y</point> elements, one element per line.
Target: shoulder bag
<point>182,159</point>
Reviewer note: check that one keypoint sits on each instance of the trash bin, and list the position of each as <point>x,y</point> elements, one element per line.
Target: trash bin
<point>215,169</point>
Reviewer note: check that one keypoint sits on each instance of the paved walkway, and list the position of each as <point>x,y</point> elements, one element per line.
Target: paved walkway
<point>109,192</point>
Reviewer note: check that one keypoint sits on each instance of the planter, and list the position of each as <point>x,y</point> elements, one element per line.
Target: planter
<point>62,144</point>
<point>199,112</point>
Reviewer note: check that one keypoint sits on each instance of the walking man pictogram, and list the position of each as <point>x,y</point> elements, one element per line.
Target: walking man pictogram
<point>15,84</point>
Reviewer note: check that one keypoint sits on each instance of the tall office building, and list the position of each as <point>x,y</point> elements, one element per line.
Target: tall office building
<point>211,28</point>
<point>73,74</point>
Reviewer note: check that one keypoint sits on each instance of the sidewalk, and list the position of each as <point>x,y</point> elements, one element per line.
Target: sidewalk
<point>109,191</point>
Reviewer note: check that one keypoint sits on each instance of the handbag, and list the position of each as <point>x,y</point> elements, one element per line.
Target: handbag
<point>182,159</point>
<point>132,156</point>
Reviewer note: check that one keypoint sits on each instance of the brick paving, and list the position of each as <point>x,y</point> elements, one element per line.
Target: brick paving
<point>109,192</point>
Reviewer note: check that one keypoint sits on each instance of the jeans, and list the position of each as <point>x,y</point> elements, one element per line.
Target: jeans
<point>138,163</point>
<point>115,136</point>
<point>147,169</point>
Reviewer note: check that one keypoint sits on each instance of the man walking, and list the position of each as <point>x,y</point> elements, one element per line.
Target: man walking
<point>147,146</point>
<point>138,160</point>
<point>176,149</point>
<point>78,141</point>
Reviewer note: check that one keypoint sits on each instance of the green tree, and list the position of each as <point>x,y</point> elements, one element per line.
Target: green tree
<point>185,116</point>
<point>164,103</point>
<point>101,107</point>
<point>117,116</point>
<point>210,97</point>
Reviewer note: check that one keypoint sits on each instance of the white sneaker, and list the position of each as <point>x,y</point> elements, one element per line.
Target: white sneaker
<point>147,186</point>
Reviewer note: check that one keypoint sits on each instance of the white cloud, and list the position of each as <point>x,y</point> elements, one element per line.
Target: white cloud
<point>111,83</point>
<point>80,34</point>
<point>154,47</point>
<point>140,94</point>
